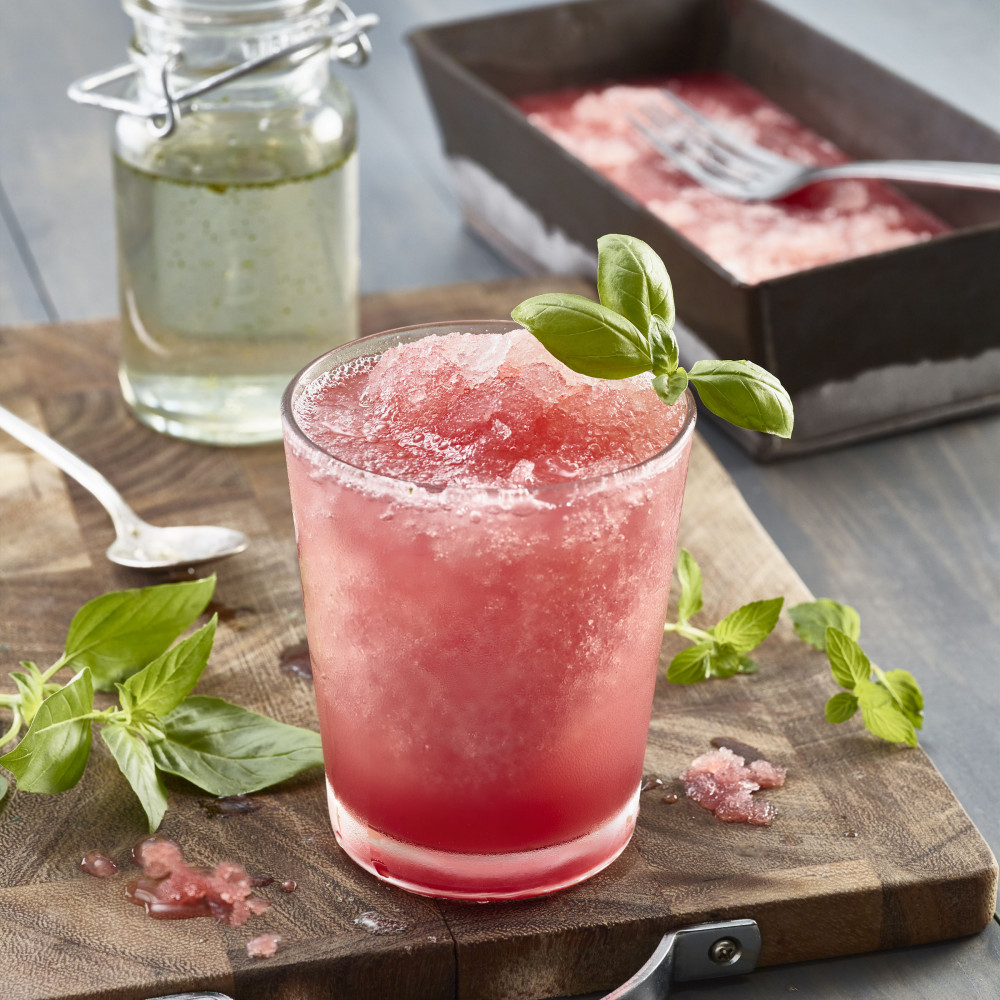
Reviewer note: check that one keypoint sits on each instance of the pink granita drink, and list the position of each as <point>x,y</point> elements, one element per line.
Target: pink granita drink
<point>485,542</point>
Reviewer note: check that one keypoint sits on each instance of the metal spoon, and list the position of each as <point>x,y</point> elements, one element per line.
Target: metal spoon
<point>139,545</point>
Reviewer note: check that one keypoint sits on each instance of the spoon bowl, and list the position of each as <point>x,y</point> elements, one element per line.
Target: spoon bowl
<point>138,544</point>
<point>146,546</point>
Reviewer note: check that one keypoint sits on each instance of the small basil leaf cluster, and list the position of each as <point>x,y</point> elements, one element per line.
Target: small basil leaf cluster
<point>892,705</point>
<point>125,640</point>
<point>630,331</point>
<point>719,651</point>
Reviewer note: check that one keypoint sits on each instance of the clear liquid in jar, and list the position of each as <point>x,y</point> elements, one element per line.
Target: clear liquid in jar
<point>229,288</point>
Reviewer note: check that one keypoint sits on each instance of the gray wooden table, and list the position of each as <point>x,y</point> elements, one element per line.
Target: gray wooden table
<point>906,529</point>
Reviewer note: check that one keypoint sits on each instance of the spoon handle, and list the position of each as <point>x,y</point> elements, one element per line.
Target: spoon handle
<point>86,475</point>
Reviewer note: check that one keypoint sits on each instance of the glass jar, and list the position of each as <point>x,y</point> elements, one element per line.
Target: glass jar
<point>236,208</point>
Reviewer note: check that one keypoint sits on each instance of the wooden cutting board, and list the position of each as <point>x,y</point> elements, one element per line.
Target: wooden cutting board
<point>870,848</point>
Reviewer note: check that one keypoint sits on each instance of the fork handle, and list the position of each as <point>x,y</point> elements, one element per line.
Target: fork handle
<point>982,176</point>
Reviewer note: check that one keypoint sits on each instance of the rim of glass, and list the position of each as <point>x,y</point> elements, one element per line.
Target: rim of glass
<point>355,349</point>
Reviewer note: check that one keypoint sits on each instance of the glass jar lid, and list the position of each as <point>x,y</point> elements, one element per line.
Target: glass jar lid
<point>168,21</point>
<point>221,12</point>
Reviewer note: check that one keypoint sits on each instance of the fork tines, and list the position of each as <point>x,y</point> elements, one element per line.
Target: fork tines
<point>709,154</point>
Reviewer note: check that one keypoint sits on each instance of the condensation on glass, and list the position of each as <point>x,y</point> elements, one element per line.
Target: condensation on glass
<point>236,200</point>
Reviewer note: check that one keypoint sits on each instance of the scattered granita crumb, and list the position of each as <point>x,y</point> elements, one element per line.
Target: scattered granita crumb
<point>263,945</point>
<point>767,775</point>
<point>97,864</point>
<point>720,781</point>
<point>172,890</point>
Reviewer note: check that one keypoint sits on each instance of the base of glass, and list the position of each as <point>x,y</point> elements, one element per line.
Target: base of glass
<point>482,877</point>
<point>210,410</point>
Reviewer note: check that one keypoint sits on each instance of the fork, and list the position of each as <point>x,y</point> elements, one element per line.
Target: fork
<point>720,162</point>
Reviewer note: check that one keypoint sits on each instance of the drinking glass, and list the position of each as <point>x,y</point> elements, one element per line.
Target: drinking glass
<point>484,659</point>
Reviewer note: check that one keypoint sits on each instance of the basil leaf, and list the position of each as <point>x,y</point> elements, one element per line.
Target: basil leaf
<point>691,665</point>
<point>117,633</point>
<point>848,662</point>
<point>841,707</point>
<point>747,627</point>
<point>725,660</point>
<point>671,387</point>
<point>882,718</point>
<point>31,688</point>
<point>812,619</point>
<point>54,751</point>
<point>744,394</point>
<point>662,347</point>
<point>3,787</point>
<point>632,280</point>
<point>136,762</point>
<point>228,750</point>
<point>905,691</point>
<point>163,684</point>
<point>585,336</point>
<point>689,573</point>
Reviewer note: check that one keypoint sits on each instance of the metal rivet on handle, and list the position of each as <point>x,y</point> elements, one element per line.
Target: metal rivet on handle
<point>725,951</point>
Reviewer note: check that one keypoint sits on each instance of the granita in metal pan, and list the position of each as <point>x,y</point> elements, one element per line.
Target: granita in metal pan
<point>827,222</point>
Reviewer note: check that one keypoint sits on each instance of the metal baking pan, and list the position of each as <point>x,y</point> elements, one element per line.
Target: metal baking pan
<point>868,346</point>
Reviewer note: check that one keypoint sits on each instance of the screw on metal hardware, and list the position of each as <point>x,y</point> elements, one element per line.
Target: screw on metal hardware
<point>705,951</point>
<point>725,951</point>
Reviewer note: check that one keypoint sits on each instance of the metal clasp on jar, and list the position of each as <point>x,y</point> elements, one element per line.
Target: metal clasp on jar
<point>347,40</point>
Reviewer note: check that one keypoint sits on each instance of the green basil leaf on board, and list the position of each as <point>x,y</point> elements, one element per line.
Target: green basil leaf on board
<point>4,786</point>
<point>841,707</point>
<point>118,633</point>
<point>848,662</point>
<point>691,665</point>
<point>163,684</point>
<point>689,573</point>
<point>159,725</point>
<point>892,705</point>
<point>54,752</point>
<point>812,618</point>
<point>31,687</point>
<point>747,627</point>
<point>718,651</point>
<point>228,750</point>
<point>881,716</point>
<point>905,691</point>
<point>727,661</point>
<point>135,761</point>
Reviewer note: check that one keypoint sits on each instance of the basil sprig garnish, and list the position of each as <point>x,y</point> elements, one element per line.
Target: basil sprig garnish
<point>126,640</point>
<point>630,331</point>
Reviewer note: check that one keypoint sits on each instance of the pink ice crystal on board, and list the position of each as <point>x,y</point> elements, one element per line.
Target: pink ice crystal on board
<point>171,889</point>
<point>721,781</point>
<point>263,945</point>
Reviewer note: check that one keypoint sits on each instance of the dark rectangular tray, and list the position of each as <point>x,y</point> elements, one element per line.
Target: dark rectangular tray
<point>866,346</point>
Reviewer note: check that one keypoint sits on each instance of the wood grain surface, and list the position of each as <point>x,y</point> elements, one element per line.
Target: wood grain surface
<point>870,849</point>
